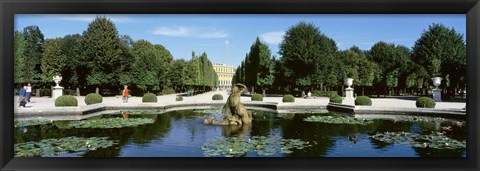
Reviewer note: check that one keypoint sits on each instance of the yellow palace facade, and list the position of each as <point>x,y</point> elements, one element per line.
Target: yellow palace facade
<point>225,74</point>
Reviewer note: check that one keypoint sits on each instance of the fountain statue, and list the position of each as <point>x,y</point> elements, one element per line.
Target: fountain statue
<point>234,112</point>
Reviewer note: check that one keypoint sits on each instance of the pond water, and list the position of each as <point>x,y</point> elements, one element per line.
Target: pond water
<point>183,134</point>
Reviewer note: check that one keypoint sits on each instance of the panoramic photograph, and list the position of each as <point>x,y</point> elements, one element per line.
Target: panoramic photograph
<point>240,85</point>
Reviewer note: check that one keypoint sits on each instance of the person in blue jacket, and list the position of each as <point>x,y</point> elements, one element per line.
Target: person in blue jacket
<point>23,95</point>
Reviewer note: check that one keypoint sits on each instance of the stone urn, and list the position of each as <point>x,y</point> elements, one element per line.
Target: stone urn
<point>349,82</point>
<point>57,80</point>
<point>437,81</point>
<point>57,90</point>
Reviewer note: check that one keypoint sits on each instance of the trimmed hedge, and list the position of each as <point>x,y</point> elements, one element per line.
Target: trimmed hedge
<point>336,99</point>
<point>288,98</point>
<point>257,97</point>
<point>179,98</point>
<point>66,100</point>
<point>149,98</point>
<point>217,97</point>
<point>93,98</point>
<point>425,102</point>
<point>324,93</point>
<point>363,101</point>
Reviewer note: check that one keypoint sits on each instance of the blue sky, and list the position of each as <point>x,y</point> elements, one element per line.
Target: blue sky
<point>227,38</point>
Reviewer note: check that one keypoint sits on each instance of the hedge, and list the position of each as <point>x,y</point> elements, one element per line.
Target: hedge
<point>149,98</point>
<point>336,99</point>
<point>217,97</point>
<point>66,100</point>
<point>288,98</point>
<point>257,97</point>
<point>179,98</point>
<point>93,98</point>
<point>425,102</point>
<point>363,101</point>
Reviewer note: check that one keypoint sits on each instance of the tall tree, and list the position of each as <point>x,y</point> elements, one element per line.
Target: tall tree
<point>70,46</point>
<point>34,41</point>
<point>104,55</point>
<point>304,51</point>
<point>390,60</point>
<point>53,61</point>
<point>19,58</point>
<point>176,75</point>
<point>261,66</point>
<point>442,52</point>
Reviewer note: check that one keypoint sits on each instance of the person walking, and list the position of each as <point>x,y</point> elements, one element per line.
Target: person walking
<point>22,96</point>
<point>29,92</point>
<point>125,94</point>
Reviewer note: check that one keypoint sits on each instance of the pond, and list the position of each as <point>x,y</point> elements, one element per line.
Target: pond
<point>183,134</point>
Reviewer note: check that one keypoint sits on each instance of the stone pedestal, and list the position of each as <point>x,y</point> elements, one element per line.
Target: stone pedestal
<point>57,92</point>
<point>437,95</point>
<point>349,100</point>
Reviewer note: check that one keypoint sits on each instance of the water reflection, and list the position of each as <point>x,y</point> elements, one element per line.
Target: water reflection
<point>182,133</point>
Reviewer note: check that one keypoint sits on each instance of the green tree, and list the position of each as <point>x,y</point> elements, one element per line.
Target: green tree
<point>53,61</point>
<point>260,70</point>
<point>305,52</point>
<point>442,52</point>
<point>33,53</point>
<point>70,46</point>
<point>19,58</point>
<point>104,55</point>
<point>176,74</point>
<point>390,59</point>
<point>366,72</point>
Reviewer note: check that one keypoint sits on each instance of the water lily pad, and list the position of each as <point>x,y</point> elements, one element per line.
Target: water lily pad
<point>110,123</point>
<point>436,140</point>
<point>418,119</point>
<point>265,146</point>
<point>51,147</point>
<point>336,120</point>
<point>31,122</point>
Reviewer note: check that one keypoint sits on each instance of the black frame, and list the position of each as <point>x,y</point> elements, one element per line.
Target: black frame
<point>10,7</point>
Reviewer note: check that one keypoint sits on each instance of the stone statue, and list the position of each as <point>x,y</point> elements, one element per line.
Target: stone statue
<point>234,112</point>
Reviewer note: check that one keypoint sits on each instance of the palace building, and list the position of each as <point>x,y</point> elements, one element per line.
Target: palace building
<point>225,75</point>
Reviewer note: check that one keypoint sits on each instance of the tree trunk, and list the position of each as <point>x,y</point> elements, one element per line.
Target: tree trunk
<point>363,90</point>
<point>97,90</point>
<point>263,92</point>
<point>78,91</point>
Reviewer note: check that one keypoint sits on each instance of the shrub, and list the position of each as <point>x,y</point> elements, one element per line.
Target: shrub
<point>288,98</point>
<point>336,99</point>
<point>93,98</point>
<point>217,97</point>
<point>179,98</point>
<point>149,98</point>
<point>363,101</point>
<point>66,100</point>
<point>324,93</point>
<point>425,102</point>
<point>257,97</point>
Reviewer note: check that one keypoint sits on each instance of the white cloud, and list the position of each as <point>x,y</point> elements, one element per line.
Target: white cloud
<point>181,31</point>
<point>273,37</point>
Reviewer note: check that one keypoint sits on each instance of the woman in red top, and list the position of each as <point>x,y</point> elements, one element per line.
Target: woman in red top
<point>125,94</point>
